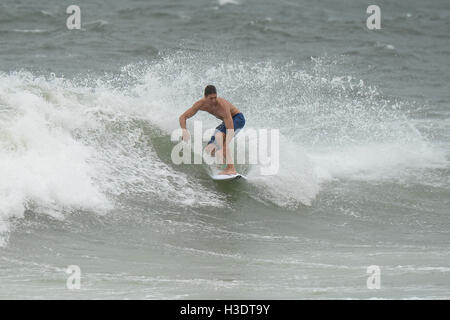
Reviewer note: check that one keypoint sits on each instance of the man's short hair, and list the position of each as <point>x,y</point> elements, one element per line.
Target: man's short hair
<point>210,89</point>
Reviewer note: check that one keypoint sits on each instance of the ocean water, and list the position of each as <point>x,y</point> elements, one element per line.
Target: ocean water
<point>86,176</point>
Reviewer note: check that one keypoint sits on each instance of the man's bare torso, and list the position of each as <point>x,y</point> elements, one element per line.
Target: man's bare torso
<point>220,108</point>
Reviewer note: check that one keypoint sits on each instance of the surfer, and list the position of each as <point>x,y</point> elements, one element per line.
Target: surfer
<point>232,121</point>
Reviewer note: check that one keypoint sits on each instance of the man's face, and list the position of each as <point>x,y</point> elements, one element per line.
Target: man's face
<point>212,98</point>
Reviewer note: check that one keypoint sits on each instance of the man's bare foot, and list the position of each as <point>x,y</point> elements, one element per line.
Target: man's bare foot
<point>221,166</point>
<point>228,171</point>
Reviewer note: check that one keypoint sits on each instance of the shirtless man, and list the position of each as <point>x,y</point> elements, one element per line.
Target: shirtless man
<point>232,121</point>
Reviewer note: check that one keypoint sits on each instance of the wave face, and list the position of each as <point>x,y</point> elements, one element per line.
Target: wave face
<point>88,143</point>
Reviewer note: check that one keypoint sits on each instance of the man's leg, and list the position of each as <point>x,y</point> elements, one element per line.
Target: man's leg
<point>220,141</point>
<point>230,169</point>
<point>211,149</point>
<point>212,145</point>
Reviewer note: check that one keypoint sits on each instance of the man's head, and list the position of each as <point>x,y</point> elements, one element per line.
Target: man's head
<point>211,93</point>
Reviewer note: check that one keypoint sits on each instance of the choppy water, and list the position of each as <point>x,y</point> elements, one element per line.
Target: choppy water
<point>86,176</point>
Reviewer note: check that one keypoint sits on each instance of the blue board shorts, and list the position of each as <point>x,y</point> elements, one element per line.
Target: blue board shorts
<point>238,123</point>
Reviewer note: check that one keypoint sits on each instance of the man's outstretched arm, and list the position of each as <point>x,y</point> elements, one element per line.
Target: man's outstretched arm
<point>189,113</point>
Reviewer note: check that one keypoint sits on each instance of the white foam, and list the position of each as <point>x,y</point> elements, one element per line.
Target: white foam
<point>65,147</point>
<point>30,30</point>
<point>295,181</point>
<point>225,2</point>
<point>376,161</point>
<point>41,164</point>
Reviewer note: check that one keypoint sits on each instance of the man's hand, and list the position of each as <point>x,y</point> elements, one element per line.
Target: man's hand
<point>186,136</point>
<point>187,114</point>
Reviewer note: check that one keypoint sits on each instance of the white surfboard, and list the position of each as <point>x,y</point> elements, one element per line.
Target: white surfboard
<point>225,177</point>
